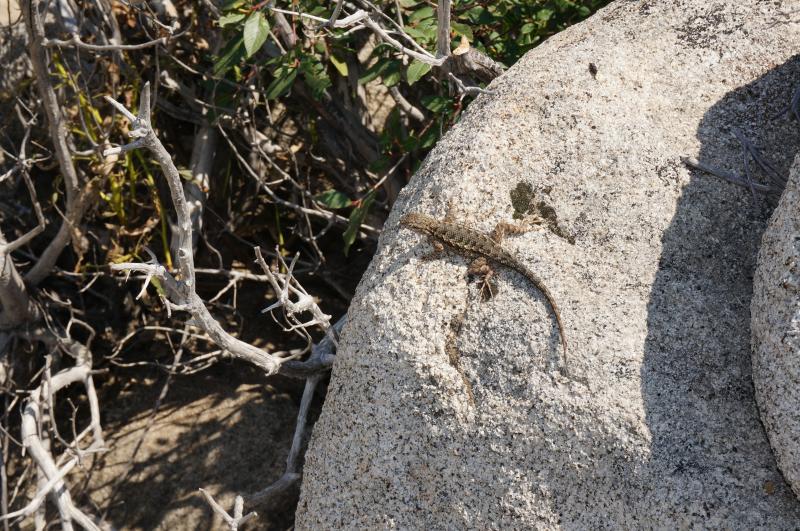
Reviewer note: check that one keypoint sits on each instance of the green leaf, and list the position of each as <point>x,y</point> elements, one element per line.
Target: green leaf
<point>480,15</point>
<point>222,98</point>
<point>231,55</point>
<point>333,199</point>
<point>416,70</point>
<point>422,14</point>
<point>256,30</point>
<point>284,79</point>
<point>340,65</point>
<point>356,219</point>
<point>421,35</point>
<point>544,14</point>
<point>392,74</point>
<point>374,71</point>
<point>158,286</point>
<point>230,18</point>
<point>434,103</point>
<point>408,3</point>
<point>233,4</point>
<point>410,143</point>
<point>429,138</point>
<point>428,24</point>
<point>315,75</point>
<point>463,29</point>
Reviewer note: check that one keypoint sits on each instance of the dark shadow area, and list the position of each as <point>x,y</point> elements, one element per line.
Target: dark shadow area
<point>216,430</point>
<point>707,439</point>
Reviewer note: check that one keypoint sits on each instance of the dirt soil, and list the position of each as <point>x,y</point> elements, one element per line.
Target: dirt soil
<point>209,433</point>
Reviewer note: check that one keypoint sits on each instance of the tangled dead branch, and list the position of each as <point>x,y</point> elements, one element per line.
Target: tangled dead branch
<point>77,195</point>
<point>38,412</point>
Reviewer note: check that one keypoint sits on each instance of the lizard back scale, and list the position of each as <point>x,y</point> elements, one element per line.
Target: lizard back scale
<point>465,240</point>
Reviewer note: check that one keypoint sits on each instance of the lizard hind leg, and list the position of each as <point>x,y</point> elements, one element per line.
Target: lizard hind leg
<point>480,268</point>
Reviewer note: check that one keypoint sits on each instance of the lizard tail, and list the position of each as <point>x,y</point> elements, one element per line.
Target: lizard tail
<point>556,311</point>
<point>560,330</point>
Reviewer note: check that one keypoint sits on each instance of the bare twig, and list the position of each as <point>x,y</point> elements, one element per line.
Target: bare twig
<point>17,306</point>
<point>465,90</point>
<point>749,151</point>
<point>40,496</point>
<point>331,23</point>
<point>292,474</point>
<point>75,197</point>
<point>343,23</point>
<point>76,41</point>
<point>322,355</point>
<point>727,175</point>
<point>35,442</point>
<point>443,28</point>
<point>151,420</point>
<point>405,105</point>
<point>234,521</point>
<point>426,57</point>
<point>324,214</point>
<point>181,294</point>
<point>31,234</point>
<point>286,287</point>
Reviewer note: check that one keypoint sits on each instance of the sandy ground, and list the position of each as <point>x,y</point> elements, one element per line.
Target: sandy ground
<point>208,433</point>
<point>9,11</point>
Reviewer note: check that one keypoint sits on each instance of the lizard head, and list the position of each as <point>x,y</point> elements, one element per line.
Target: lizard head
<point>419,222</point>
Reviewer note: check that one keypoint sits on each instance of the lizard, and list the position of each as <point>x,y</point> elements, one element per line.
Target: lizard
<point>467,241</point>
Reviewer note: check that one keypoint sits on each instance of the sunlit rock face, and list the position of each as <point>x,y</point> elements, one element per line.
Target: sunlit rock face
<point>653,422</point>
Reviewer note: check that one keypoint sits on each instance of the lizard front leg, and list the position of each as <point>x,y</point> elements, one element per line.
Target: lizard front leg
<point>437,250</point>
<point>502,229</point>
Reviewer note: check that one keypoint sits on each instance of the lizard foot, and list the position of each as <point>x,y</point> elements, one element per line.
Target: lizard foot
<point>503,229</point>
<point>480,268</point>
<point>436,251</point>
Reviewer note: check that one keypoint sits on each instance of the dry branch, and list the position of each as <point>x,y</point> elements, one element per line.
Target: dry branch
<point>181,292</point>
<point>234,521</point>
<point>17,306</point>
<point>76,41</point>
<point>76,198</point>
<point>36,442</point>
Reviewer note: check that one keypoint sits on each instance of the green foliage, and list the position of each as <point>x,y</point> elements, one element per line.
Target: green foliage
<point>230,19</point>
<point>232,53</point>
<point>502,29</point>
<point>284,79</point>
<point>416,70</point>
<point>339,65</point>
<point>357,217</point>
<point>314,74</point>
<point>506,29</point>
<point>436,104</point>
<point>256,29</point>
<point>333,199</point>
<point>388,68</point>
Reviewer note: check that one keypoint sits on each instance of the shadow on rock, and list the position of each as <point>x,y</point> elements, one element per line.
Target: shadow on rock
<point>708,445</point>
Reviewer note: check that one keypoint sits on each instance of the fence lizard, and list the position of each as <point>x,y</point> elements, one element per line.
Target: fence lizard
<point>467,241</point>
